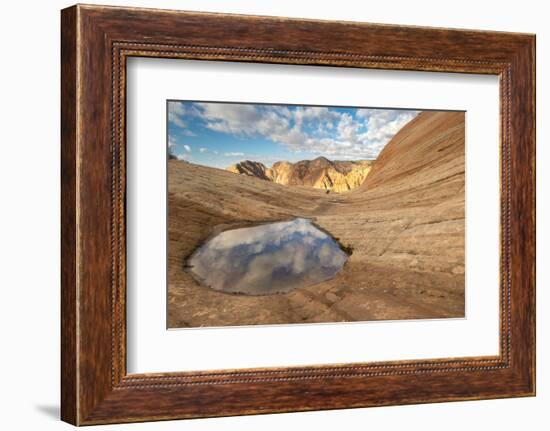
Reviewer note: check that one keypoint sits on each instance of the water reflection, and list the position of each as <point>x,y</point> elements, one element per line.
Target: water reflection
<point>267,259</point>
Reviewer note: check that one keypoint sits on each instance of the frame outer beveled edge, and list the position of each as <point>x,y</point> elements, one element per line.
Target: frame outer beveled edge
<point>69,411</point>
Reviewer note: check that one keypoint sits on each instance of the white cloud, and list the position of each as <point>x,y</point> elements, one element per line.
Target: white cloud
<point>307,129</point>
<point>176,112</point>
<point>187,148</point>
<point>233,154</point>
<point>314,113</point>
<point>382,125</point>
<point>245,120</point>
<point>362,136</point>
<point>347,128</point>
<point>179,115</point>
<point>171,142</point>
<point>203,150</point>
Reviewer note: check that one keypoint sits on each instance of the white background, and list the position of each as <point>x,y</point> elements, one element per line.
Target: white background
<point>29,227</point>
<point>153,349</point>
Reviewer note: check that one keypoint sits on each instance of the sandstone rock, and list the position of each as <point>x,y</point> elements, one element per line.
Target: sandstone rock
<point>250,168</point>
<point>320,173</point>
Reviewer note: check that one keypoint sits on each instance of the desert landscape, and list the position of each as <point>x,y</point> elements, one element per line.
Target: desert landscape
<point>401,219</point>
<point>321,173</point>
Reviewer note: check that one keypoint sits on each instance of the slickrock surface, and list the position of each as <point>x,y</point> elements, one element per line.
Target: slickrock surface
<point>405,224</point>
<point>320,173</point>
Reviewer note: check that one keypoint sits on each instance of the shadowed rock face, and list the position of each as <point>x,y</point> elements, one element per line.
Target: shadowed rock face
<point>321,173</point>
<point>250,168</point>
<point>404,223</point>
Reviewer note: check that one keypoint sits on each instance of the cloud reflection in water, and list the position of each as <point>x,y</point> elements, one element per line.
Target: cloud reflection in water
<point>267,259</point>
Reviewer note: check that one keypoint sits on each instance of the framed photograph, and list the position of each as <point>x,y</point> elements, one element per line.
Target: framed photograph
<point>264,214</point>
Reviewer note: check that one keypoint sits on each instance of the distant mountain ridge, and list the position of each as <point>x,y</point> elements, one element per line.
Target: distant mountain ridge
<point>321,173</point>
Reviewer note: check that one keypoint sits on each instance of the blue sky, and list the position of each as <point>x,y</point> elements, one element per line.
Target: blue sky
<point>222,134</point>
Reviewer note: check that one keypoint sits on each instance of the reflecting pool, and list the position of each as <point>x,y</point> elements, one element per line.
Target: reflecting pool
<point>267,259</point>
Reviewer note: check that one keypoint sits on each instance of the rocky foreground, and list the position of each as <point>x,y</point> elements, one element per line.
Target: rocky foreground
<point>330,175</point>
<point>405,224</point>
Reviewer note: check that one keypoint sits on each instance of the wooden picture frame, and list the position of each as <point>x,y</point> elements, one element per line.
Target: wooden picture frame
<point>95,43</point>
